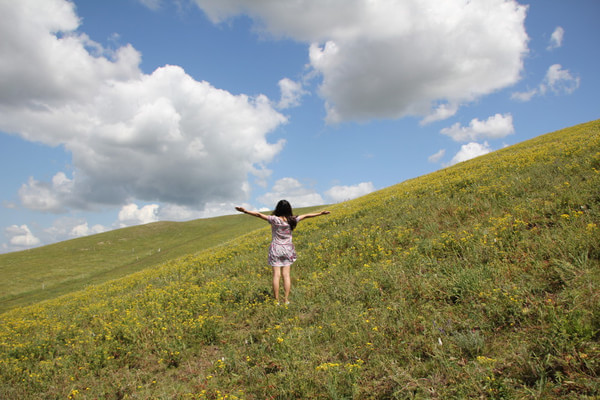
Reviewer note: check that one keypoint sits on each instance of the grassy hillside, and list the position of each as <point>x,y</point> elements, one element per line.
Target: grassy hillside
<point>477,281</point>
<point>47,272</point>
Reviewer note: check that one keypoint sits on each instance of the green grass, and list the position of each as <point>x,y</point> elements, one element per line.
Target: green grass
<point>47,272</point>
<point>477,281</point>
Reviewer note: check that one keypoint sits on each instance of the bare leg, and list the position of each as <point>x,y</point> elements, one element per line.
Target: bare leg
<point>276,277</point>
<point>287,282</point>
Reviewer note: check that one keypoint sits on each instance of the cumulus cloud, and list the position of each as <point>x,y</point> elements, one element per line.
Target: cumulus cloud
<point>495,127</point>
<point>291,93</point>
<point>45,62</point>
<point>174,212</point>
<point>556,38</point>
<point>293,191</point>
<point>469,151</point>
<point>159,137</point>
<point>443,111</point>
<point>47,196</point>
<point>557,80</point>
<point>66,227</point>
<point>85,230</point>
<point>389,59</point>
<point>21,237</point>
<point>342,193</point>
<point>131,214</point>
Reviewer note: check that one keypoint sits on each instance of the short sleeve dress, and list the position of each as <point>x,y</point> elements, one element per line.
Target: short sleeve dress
<point>281,252</point>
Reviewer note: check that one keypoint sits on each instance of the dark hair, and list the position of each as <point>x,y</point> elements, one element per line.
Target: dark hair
<point>284,209</point>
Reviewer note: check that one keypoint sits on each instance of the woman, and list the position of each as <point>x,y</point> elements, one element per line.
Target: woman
<point>281,251</point>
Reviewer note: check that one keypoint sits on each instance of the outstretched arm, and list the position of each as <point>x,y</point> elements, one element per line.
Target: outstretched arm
<point>301,217</point>
<point>253,213</point>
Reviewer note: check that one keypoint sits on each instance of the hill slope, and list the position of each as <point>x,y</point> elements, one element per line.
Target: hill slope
<point>50,271</point>
<point>477,281</point>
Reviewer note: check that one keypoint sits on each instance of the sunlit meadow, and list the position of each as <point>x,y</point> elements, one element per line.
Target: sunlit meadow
<point>477,281</point>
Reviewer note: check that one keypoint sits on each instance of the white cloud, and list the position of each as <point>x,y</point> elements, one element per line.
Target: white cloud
<point>84,230</point>
<point>47,197</point>
<point>291,93</point>
<point>342,193</point>
<point>131,214</point>
<point>293,191</point>
<point>442,112</point>
<point>435,158</point>
<point>174,212</point>
<point>469,151</point>
<point>20,237</point>
<point>67,227</point>
<point>389,59</point>
<point>557,80</point>
<point>556,38</point>
<point>495,127</point>
<point>159,137</point>
<point>45,62</point>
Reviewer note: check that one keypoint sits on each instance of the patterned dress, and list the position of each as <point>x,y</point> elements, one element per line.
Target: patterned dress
<point>281,252</point>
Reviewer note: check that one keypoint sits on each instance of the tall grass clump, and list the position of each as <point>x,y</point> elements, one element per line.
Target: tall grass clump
<point>477,281</point>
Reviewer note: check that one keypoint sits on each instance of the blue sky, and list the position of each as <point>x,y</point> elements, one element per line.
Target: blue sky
<point>122,112</point>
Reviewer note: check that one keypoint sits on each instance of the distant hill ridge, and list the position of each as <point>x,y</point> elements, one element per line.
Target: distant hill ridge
<point>477,281</point>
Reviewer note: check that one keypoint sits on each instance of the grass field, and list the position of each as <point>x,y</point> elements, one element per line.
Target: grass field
<point>477,281</point>
<point>47,272</point>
